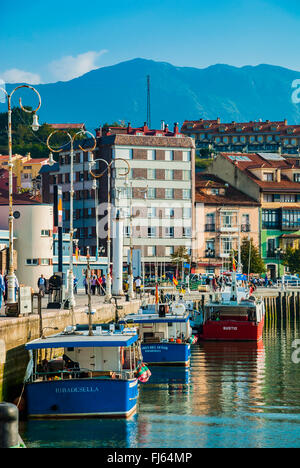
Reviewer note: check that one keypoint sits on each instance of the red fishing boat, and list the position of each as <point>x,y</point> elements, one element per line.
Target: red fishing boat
<point>234,314</point>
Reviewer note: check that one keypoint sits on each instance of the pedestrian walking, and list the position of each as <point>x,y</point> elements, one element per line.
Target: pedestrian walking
<point>86,285</point>
<point>41,285</point>
<point>94,285</point>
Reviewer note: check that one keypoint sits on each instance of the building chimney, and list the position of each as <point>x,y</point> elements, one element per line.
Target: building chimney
<point>162,125</point>
<point>278,175</point>
<point>98,132</point>
<point>166,129</point>
<point>145,127</point>
<point>129,129</point>
<point>218,120</point>
<point>176,128</point>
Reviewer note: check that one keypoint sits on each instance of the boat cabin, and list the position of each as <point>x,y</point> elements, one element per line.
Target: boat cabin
<point>108,353</point>
<point>245,310</point>
<point>166,326</point>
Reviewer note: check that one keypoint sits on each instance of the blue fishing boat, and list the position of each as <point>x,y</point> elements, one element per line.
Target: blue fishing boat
<point>93,375</point>
<point>165,333</point>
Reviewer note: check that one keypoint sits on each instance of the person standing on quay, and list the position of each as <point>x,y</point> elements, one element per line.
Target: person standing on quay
<point>42,285</point>
<point>2,289</point>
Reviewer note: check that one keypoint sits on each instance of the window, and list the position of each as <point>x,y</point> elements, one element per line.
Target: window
<point>126,212</point>
<point>151,250</point>
<point>169,155</point>
<point>297,177</point>
<point>271,246</point>
<point>151,155</point>
<point>45,232</point>
<point>169,193</point>
<point>186,232</point>
<point>268,198</point>
<point>270,219</point>
<point>151,174</point>
<point>186,213</point>
<point>290,219</point>
<point>186,156</point>
<point>186,194</point>
<point>169,213</point>
<point>268,176</point>
<point>151,212</point>
<point>169,250</point>
<point>126,231</point>
<point>210,248</point>
<point>151,231</point>
<point>227,218</point>
<point>32,261</point>
<point>186,175</point>
<point>210,224</point>
<point>287,198</point>
<point>124,153</point>
<point>151,193</point>
<point>45,261</point>
<point>226,245</point>
<point>169,174</point>
<point>169,232</point>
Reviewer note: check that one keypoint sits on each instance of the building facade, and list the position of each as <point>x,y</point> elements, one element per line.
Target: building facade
<point>273,181</point>
<point>156,196</point>
<point>224,217</point>
<point>253,136</point>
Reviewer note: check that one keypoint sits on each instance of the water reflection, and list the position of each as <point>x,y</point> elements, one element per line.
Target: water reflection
<point>235,395</point>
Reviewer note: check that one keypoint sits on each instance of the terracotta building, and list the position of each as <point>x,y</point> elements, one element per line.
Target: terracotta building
<point>224,216</point>
<point>272,180</point>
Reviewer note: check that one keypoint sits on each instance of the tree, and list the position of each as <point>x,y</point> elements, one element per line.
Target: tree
<point>255,262</point>
<point>291,259</point>
<point>25,140</point>
<point>179,257</point>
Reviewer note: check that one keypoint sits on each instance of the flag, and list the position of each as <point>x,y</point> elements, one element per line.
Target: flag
<point>175,282</point>
<point>156,295</point>
<point>233,264</point>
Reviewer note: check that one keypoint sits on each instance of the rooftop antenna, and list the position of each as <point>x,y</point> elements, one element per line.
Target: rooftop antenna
<point>148,103</point>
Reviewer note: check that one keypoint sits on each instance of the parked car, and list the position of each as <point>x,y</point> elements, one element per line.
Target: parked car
<point>290,280</point>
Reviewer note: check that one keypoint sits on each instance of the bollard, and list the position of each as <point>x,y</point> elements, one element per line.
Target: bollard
<point>9,425</point>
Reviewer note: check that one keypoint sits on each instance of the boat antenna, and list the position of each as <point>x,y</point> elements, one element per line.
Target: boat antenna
<point>148,102</point>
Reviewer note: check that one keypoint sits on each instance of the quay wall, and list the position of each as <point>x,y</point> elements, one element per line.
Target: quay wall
<point>16,331</point>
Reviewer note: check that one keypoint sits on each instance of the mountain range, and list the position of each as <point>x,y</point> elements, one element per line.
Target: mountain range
<point>119,93</point>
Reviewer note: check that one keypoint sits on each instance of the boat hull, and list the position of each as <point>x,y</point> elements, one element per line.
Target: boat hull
<point>73,398</point>
<point>168,354</point>
<point>232,330</point>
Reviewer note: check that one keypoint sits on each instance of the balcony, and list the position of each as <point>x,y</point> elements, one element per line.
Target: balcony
<point>245,228</point>
<point>210,228</point>
<point>209,253</point>
<point>228,228</point>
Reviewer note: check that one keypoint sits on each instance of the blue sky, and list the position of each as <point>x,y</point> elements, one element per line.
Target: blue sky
<point>43,42</point>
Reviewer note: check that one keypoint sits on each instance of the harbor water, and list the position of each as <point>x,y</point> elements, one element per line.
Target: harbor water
<point>234,395</point>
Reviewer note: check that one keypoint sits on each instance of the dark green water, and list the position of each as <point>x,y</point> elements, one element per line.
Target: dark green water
<point>236,395</point>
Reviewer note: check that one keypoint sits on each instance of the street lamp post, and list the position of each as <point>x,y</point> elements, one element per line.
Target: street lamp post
<point>98,176</point>
<point>11,297</point>
<point>130,270</point>
<point>51,161</point>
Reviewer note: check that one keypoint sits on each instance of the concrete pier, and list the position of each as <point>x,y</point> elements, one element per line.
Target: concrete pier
<point>16,331</point>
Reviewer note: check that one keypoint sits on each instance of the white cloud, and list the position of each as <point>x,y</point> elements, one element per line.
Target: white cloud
<point>14,75</point>
<point>70,67</point>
